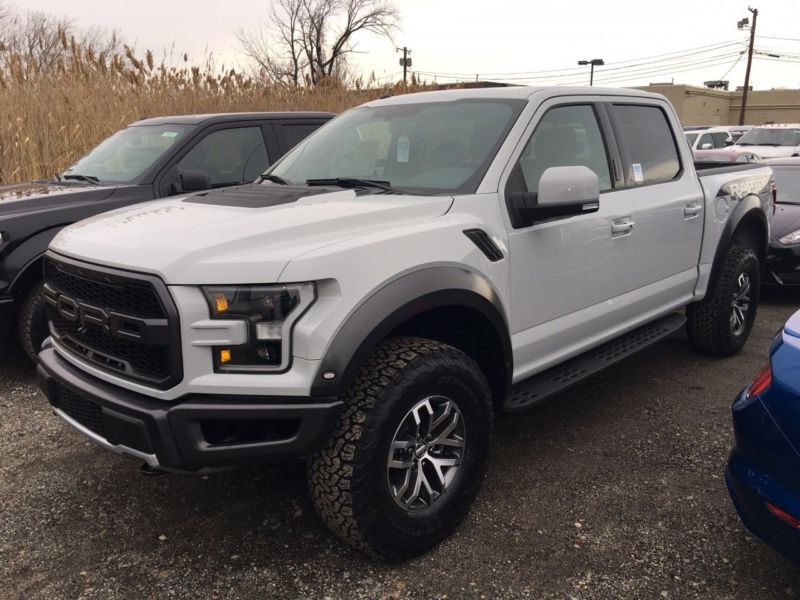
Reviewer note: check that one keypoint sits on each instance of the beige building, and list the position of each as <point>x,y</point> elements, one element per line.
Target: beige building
<point>704,106</point>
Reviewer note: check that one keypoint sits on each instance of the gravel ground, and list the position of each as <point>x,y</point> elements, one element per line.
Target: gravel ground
<point>615,490</point>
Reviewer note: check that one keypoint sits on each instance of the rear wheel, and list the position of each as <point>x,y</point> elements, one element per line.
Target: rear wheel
<point>32,323</point>
<point>720,324</point>
<point>410,450</point>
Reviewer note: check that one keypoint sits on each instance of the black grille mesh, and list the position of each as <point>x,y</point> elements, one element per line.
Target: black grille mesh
<point>150,361</point>
<point>85,412</point>
<point>153,363</point>
<point>129,298</point>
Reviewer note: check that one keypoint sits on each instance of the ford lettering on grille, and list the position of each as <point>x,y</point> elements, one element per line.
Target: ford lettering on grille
<point>120,322</point>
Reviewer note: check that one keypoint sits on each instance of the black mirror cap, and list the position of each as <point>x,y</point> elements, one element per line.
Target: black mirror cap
<point>193,180</point>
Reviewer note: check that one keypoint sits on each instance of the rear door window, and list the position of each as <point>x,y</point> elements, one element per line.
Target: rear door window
<point>292,134</point>
<point>646,143</point>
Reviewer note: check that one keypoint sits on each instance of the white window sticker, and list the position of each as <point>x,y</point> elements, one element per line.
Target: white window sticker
<point>170,134</point>
<point>403,149</point>
<point>638,175</point>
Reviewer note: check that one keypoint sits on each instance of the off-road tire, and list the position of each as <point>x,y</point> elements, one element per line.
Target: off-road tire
<point>348,478</point>
<point>708,321</point>
<point>32,323</point>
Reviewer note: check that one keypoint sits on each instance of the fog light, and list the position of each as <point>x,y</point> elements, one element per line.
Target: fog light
<point>224,356</point>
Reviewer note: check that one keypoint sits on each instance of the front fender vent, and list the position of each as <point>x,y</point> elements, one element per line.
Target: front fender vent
<point>485,244</point>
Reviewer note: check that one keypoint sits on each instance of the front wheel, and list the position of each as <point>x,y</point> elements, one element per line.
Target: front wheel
<point>720,324</point>
<point>409,452</point>
<point>32,325</point>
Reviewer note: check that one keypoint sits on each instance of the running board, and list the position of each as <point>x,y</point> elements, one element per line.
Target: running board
<point>557,379</point>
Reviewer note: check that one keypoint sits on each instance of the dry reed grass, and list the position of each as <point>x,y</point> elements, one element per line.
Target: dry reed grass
<point>49,118</point>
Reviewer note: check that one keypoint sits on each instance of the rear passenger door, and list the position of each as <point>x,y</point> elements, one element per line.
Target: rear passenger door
<point>290,132</point>
<point>668,200</point>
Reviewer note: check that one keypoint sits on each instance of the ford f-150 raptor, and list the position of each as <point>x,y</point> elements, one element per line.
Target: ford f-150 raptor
<point>413,266</point>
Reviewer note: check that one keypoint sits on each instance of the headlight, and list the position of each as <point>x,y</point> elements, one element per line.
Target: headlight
<point>791,238</point>
<point>269,311</point>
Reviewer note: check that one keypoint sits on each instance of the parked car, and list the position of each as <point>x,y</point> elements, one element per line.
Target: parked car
<point>417,264</point>
<point>725,155</point>
<point>763,473</point>
<point>152,158</point>
<point>772,141</point>
<point>710,138</point>
<point>782,266</point>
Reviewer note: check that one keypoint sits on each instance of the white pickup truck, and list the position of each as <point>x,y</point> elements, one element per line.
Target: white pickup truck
<point>414,266</point>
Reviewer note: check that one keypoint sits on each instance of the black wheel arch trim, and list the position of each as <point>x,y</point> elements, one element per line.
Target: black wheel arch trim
<point>748,209</point>
<point>395,303</point>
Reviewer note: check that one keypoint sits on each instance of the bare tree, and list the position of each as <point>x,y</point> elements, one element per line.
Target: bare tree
<point>307,41</point>
<point>43,41</point>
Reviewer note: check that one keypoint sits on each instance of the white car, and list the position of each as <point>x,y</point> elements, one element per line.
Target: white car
<point>414,266</point>
<point>772,141</point>
<point>713,138</point>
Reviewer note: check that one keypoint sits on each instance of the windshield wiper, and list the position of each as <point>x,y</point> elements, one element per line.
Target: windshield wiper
<point>275,179</point>
<point>87,178</point>
<point>351,182</point>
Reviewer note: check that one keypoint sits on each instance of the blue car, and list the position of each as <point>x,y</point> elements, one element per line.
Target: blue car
<point>763,473</point>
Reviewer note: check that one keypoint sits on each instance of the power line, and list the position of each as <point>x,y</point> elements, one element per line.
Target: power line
<point>633,72</point>
<point>623,64</point>
<point>772,37</point>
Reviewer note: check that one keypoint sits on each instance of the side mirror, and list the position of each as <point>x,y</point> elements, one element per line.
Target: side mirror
<point>706,146</point>
<point>563,192</point>
<point>195,181</point>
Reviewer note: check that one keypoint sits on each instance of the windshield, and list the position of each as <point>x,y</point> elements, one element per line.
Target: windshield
<point>431,147</point>
<point>127,154</point>
<point>787,179</point>
<point>771,136</point>
<point>691,137</point>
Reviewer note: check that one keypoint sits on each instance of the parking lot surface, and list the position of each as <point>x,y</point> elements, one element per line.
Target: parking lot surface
<point>613,490</point>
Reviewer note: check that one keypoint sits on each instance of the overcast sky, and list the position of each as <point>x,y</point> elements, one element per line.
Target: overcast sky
<point>498,39</point>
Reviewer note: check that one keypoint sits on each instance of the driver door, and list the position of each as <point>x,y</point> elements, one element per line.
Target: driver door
<point>567,273</point>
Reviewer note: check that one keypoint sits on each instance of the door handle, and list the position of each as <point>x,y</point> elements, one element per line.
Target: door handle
<point>692,210</point>
<point>622,226</point>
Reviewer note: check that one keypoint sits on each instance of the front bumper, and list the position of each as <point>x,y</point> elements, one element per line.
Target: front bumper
<point>193,433</point>
<point>7,314</point>
<point>782,266</point>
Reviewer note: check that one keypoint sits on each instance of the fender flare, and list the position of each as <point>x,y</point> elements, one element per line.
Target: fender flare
<point>396,303</point>
<point>749,208</point>
<point>24,256</point>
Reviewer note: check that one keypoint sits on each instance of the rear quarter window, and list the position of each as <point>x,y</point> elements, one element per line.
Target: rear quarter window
<point>647,144</point>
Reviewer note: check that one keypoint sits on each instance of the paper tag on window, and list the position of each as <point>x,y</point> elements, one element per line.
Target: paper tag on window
<point>403,149</point>
<point>170,134</point>
<point>638,175</point>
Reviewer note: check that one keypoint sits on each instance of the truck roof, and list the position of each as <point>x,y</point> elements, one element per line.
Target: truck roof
<point>213,118</point>
<point>520,92</point>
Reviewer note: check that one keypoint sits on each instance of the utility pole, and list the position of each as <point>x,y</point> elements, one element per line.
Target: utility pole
<point>743,25</point>
<point>405,62</point>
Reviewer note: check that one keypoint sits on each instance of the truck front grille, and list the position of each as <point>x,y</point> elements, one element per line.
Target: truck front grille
<point>123,323</point>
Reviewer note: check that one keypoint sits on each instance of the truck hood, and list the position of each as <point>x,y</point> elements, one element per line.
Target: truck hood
<point>768,151</point>
<point>31,197</point>
<point>246,234</point>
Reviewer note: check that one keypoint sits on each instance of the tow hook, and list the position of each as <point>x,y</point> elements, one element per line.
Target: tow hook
<point>146,469</point>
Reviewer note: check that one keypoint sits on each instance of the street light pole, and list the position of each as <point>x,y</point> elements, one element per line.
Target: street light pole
<point>594,62</point>
<point>742,25</point>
